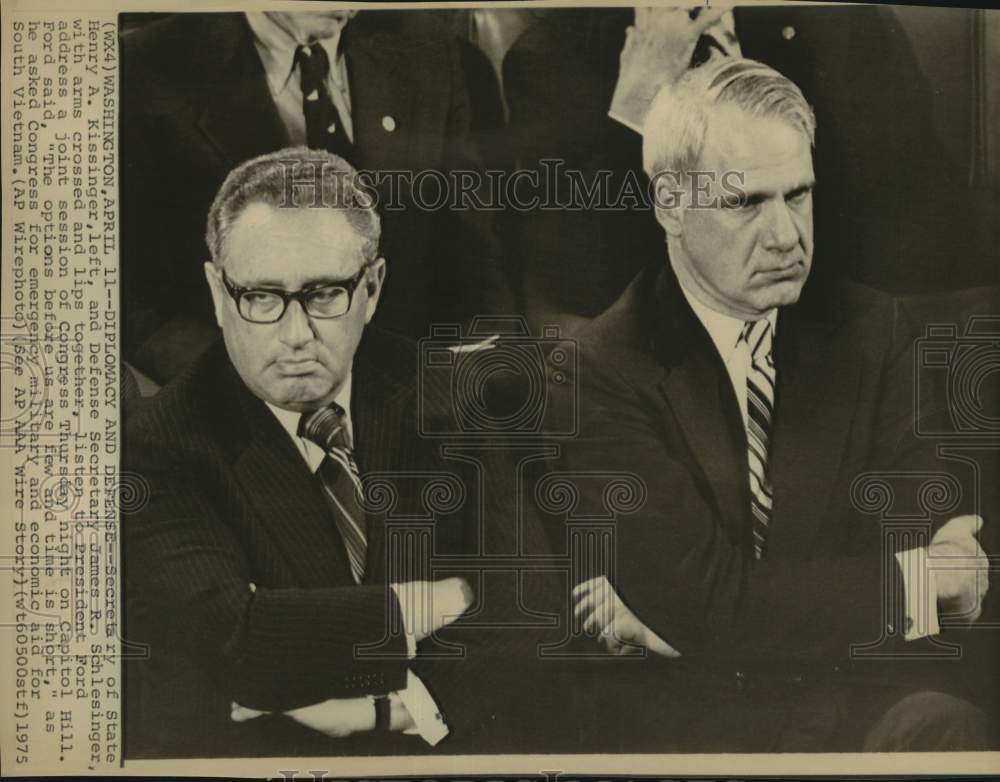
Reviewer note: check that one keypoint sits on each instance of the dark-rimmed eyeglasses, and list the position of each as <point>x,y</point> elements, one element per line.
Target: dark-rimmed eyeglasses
<point>324,300</point>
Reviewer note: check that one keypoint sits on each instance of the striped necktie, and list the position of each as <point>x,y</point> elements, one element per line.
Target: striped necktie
<point>327,427</point>
<point>760,408</point>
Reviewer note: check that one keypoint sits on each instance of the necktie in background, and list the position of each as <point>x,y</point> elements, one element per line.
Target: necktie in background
<point>324,126</point>
<point>760,408</point>
<point>341,483</point>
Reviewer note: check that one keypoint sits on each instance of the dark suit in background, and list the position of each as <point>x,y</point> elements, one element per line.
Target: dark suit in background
<point>890,209</point>
<point>195,103</point>
<point>766,659</point>
<point>238,580</point>
<point>558,80</point>
<point>974,309</point>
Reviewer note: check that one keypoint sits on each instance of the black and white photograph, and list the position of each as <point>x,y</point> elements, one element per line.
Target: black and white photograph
<point>501,380</point>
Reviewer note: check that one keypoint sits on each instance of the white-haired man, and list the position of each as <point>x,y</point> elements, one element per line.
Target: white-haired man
<point>768,601</point>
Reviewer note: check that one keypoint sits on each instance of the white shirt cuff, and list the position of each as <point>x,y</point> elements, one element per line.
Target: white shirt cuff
<point>411,642</point>
<point>428,723</point>
<point>630,125</point>
<point>919,595</point>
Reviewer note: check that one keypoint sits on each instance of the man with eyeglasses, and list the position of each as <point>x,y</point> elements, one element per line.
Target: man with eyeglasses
<point>385,90</point>
<point>258,571</point>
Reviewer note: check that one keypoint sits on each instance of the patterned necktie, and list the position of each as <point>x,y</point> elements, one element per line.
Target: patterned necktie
<point>324,127</point>
<point>760,408</point>
<point>327,427</point>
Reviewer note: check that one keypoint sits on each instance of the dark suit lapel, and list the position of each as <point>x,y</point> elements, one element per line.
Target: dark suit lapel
<point>818,385</point>
<point>384,436</point>
<point>232,119</point>
<point>700,394</point>
<point>297,519</point>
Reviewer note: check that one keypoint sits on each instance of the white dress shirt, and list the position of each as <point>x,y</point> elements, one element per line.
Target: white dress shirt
<point>428,722</point>
<point>725,330</point>
<point>276,48</point>
<point>494,31</point>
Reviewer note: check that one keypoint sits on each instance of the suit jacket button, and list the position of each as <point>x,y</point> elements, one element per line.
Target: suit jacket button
<point>788,32</point>
<point>389,123</point>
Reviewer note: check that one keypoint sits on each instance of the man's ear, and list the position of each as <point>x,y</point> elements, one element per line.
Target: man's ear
<point>213,276</point>
<point>670,198</point>
<point>373,281</point>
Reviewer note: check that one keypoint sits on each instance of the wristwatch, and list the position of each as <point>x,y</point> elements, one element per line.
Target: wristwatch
<point>383,713</point>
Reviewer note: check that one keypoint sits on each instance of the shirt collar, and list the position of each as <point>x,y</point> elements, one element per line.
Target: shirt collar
<point>289,419</point>
<point>724,330</point>
<point>276,48</point>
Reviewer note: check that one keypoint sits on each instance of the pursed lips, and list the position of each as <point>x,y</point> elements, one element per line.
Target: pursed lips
<point>299,366</point>
<point>782,270</point>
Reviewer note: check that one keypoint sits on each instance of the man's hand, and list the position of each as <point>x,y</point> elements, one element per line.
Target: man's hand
<point>427,606</point>
<point>960,568</point>
<point>598,602</point>
<point>657,51</point>
<point>337,717</point>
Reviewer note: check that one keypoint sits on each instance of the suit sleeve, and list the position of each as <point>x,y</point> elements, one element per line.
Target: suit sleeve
<point>684,576</point>
<point>270,649</point>
<point>481,691</point>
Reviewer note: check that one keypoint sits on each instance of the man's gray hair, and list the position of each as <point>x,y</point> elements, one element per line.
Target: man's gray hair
<point>678,118</point>
<point>294,178</point>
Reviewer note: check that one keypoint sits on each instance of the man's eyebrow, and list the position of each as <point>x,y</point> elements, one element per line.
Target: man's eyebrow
<point>265,283</point>
<point>311,282</point>
<point>800,189</point>
<point>758,196</point>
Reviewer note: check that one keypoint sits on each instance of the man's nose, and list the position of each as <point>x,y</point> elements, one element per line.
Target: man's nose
<point>781,234</point>
<point>296,330</point>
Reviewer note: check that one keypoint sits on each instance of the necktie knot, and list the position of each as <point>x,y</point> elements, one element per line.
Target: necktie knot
<point>327,427</point>
<point>757,334</point>
<point>314,65</point>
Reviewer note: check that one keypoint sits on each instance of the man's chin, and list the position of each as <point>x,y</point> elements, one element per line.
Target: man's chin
<point>783,292</point>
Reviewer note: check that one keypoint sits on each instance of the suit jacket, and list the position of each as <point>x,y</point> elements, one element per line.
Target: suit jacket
<point>195,104</point>
<point>238,582</point>
<point>559,77</point>
<point>657,403</point>
<point>876,148</point>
